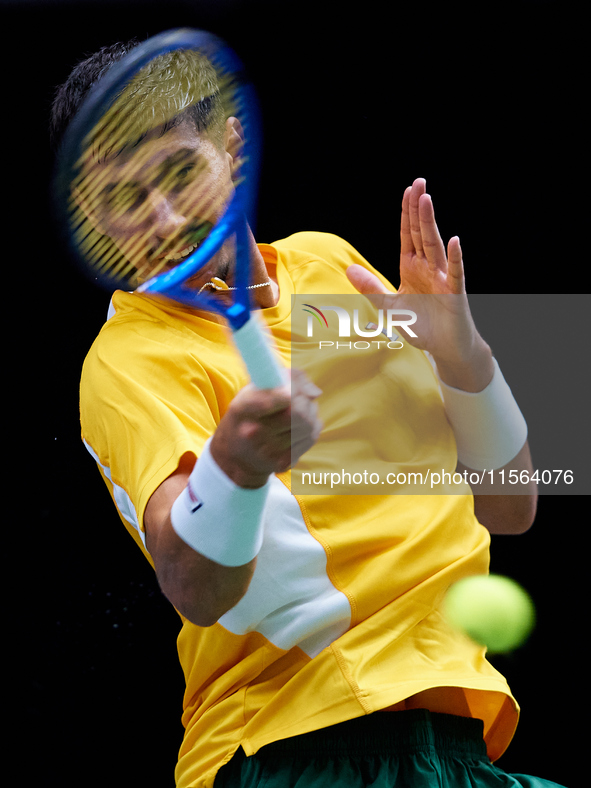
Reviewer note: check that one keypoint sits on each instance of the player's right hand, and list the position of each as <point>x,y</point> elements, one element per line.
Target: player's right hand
<point>265,432</point>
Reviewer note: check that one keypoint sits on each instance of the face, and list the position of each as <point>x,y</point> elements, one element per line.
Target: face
<point>158,201</point>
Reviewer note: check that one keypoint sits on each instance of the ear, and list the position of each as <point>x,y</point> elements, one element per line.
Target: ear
<point>233,144</point>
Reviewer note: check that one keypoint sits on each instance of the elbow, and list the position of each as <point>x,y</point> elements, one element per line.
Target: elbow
<point>198,617</point>
<point>195,609</point>
<point>200,609</point>
<point>204,601</point>
<point>525,512</point>
<point>506,514</point>
<point>519,524</point>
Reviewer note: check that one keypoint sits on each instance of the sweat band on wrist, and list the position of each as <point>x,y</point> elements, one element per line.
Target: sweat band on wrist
<point>217,518</point>
<point>488,425</point>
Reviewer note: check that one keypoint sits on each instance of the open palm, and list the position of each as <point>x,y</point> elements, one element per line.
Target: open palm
<point>431,283</point>
<point>424,265</point>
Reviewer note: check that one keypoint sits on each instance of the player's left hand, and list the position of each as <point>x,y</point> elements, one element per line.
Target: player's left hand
<point>431,284</point>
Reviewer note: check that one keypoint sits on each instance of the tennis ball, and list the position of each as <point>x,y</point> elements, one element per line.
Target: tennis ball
<point>492,610</point>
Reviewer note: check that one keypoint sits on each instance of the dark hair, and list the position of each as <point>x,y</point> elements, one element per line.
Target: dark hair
<point>192,72</point>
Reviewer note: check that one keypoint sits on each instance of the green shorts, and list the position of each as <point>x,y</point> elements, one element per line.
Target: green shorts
<point>408,749</point>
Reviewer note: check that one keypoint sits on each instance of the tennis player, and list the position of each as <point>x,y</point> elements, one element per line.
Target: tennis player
<point>312,639</point>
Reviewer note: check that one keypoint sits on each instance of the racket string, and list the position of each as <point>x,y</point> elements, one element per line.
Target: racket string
<point>111,229</point>
<point>137,248</point>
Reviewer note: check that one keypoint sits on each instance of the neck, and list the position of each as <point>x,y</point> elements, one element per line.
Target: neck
<point>264,297</point>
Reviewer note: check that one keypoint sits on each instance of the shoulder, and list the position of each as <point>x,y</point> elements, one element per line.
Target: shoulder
<point>324,249</point>
<point>139,328</point>
<point>147,356</point>
<point>324,245</point>
<point>138,349</point>
<point>120,338</point>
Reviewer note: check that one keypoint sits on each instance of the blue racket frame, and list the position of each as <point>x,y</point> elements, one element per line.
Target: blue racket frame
<point>241,210</point>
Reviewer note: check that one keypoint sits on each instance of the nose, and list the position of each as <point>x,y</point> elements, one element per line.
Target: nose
<point>165,220</point>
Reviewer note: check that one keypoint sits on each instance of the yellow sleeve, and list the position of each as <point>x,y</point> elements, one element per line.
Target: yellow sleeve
<point>333,248</point>
<point>146,399</point>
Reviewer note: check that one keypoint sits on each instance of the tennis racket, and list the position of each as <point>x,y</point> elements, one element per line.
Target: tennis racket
<point>112,179</point>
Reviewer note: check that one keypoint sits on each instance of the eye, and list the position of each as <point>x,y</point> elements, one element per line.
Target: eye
<point>183,176</point>
<point>185,171</point>
<point>122,199</point>
<point>177,178</point>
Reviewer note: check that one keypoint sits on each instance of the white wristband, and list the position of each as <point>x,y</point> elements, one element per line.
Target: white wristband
<point>216,517</point>
<point>489,428</point>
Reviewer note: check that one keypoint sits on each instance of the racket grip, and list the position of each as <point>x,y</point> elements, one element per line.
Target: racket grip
<point>261,362</point>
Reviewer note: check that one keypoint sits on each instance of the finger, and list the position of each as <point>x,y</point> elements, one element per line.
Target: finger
<point>266,438</point>
<point>304,411</point>
<point>418,189</point>
<point>306,435</point>
<point>406,243</point>
<point>433,247</point>
<point>455,266</point>
<point>301,383</point>
<point>253,403</point>
<point>368,285</point>
<point>365,281</point>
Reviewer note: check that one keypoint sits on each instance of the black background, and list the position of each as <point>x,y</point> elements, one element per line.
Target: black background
<point>486,101</point>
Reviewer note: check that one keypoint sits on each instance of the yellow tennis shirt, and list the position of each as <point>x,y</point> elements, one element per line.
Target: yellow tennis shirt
<point>343,615</point>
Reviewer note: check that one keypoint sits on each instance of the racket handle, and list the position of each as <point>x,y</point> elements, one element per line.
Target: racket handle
<point>261,362</point>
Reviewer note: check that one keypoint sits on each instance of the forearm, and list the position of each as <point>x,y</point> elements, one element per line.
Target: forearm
<point>205,523</point>
<point>472,374</point>
<point>503,508</point>
<point>199,588</point>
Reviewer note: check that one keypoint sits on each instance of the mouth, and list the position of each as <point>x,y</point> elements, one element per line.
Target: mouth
<point>192,240</point>
<point>174,258</point>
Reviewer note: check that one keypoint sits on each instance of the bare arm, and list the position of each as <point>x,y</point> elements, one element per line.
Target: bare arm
<point>505,514</point>
<point>200,589</point>
<point>253,440</point>
<point>511,513</point>
<point>447,332</point>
